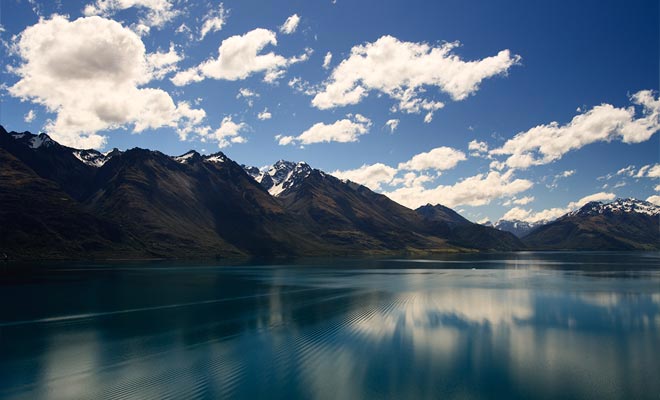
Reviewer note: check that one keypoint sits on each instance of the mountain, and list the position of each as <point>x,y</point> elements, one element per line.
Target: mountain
<point>38,218</point>
<point>281,176</point>
<point>445,222</point>
<point>352,217</point>
<point>518,228</point>
<point>61,202</point>
<point>624,224</point>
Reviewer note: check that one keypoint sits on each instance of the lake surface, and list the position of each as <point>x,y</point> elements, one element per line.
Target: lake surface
<point>521,325</point>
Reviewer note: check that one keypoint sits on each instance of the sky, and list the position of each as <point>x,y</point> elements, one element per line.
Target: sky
<point>517,109</point>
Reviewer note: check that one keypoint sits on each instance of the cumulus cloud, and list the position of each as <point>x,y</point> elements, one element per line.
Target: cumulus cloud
<point>477,190</point>
<point>519,201</point>
<point>163,63</point>
<point>477,148</point>
<point>439,159</point>
<point>392,124</point>
<point>90,72</point>
<point>158,12</point>
<point>264,115</point>
<point>402,70</point>
<point>343,131</point>
<point>239,57</point>
<point>290,25</point>
<point>327,60</point>
<point>550,214</point>
<point>228,132</point>
<point>372,176</point>
<point>655,199</point>
<point>544,144</point>
<point>29,117</point>
<point>213,21</point>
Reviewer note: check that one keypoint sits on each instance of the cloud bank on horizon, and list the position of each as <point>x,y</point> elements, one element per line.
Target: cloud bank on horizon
<point>419,113</point>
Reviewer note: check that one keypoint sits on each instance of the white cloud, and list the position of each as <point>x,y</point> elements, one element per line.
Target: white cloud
<point>239,57</point>
<point>213,21</point>
<point>392,124</point>
<point>264,115</point>
<point>162,63</point>
<point>343,131</point>
<point>228,132</point>
<point>29,117</point>
<point>402,70</point>
<point>550,214</point>
<point>90,72</point>
<point>657,188</point>
<point>439,159</point>
<point>290,25</point>
<point>601,196</point>
<point>477,148</point>
<point>371,176</point>
<point>476,190</point>
<point>653,171</point>
<point>158,12</point>
<point>655,199</point>
<point>544,144</point>
<point>519,201</point>
<point>327,60</point>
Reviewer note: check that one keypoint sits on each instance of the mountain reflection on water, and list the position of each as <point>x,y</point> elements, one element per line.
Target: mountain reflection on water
<point>524,325</point>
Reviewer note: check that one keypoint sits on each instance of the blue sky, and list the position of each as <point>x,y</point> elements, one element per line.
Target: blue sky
<point>175,75</point>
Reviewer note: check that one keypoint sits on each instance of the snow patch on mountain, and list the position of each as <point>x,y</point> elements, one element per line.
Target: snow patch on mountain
<point>281,176</point>
<point>618,206</point>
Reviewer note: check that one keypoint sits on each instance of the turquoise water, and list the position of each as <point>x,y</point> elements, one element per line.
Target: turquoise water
<point>521,325</point>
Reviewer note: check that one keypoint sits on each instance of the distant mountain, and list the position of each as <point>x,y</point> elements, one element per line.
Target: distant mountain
<point>624,224</point>
<point>281,176</point>
<point>518,228</point>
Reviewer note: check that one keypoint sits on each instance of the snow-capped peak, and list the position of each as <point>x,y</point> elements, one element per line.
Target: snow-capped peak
<point>41,140</point>
<point>618,206</point>
<point>186,157</point>
<point>94,158</point>
<point>218,157</point>
<point>280,176</point>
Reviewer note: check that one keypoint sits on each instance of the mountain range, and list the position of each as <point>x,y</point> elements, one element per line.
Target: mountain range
<point>61,202</point>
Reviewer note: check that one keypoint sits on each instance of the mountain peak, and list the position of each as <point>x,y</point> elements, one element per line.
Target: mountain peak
<point>280,176</point>
<point>618,206</point>
<point>187,157</point>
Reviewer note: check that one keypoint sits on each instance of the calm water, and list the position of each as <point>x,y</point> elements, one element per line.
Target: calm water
<point>527,325</point>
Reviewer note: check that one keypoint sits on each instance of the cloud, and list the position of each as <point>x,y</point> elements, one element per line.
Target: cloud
<point>264,115</point>
<point>519,202</point>
<point>228,132</point>
<point>440,158</point>
<point>162,63</point>
<point>290,25</point>
<point>654,171</point>
<point>601,196</point>
<point>327,60</point>
<point>29,117</point>
<point>550,214</point>
<point>477,148</point>
<point>90,72</point>
<point>544,144</point>
<point>402,70</point>
<point>158,12</point>
<point>655,199</point>
<point>343,131</point>
<point>392,124</point>
<point>371,176</point>
<point>239,57</point>
<point>213,21</point>
<point>477,190</point>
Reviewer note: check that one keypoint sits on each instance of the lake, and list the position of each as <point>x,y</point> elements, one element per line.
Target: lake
<point>518,325</point>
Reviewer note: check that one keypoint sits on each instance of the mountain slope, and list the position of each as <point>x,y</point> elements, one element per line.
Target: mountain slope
<point>38,219</point>
<point>624,224</point>
<point>446,223</point>
<point>518,228</point>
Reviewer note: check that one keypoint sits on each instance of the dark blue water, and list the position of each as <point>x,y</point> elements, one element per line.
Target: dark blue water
<point>526,325</point>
